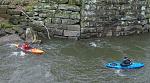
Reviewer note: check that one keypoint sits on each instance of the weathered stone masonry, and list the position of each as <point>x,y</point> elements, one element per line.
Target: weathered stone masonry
<point>86,18</point>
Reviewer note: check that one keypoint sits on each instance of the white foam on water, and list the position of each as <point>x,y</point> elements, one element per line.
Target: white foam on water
<point>21,53</point>
<point>119,73</point>
<point>93,44</point>
<point>10,45</point>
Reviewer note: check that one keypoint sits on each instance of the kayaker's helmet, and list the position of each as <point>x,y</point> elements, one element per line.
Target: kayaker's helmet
<point>125,57</point>
<point>26,42</point>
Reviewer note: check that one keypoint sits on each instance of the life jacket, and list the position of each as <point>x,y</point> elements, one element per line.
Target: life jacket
<point>25,46</point>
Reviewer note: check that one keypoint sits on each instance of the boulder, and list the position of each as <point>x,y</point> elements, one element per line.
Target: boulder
<point>10,39</point>
<point>2,32</point>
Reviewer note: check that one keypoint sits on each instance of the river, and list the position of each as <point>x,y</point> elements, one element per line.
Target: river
<point>69,61</point>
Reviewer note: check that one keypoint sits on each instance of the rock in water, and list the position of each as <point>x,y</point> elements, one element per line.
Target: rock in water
<point>10,39</point>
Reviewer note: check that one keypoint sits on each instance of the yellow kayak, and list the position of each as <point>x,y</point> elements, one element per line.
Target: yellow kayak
<point>32,50</point>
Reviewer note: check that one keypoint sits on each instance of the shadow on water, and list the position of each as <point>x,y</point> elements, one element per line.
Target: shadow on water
<point>83,61</point>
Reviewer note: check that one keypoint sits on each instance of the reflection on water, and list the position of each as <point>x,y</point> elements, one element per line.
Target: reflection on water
<point>81,61</point>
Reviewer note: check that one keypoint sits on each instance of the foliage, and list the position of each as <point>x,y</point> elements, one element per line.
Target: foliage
<point>5,25</point>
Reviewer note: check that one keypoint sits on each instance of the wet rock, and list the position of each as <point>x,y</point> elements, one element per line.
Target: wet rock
<point>2,32</point>
<point>10,31</point>
<point>10,39</point>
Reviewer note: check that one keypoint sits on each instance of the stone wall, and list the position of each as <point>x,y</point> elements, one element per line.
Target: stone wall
<point>84,18</point>
<point>61,17</point>
<point>8,13</point>
<point>114,18</point>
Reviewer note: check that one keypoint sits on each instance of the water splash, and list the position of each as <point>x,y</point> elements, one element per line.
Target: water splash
<point>21,53</point>
<point>119,73</point>
<point>10,45</point>
<point>93,44</point>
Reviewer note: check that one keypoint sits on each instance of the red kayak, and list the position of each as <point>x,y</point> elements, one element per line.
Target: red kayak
<point>31,50</point>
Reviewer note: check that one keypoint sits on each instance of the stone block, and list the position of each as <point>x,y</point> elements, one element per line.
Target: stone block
<point>88,13</point>
<point>55,26</point>
<point>109,33</point>
<point>73,27</point>
<point>69,7</point>
<point>50,6</point>
<point>56,20</point>
<point>118,28</point>
<point>62,1</point>
<point>42,15</point>
<point>62,14</point>
<point>3,11</point>
<point>88,30</point>
<point>60,37</point>
<point>44,1</point>
<point>4,2</point>
<point>90,7</point>
<point>37,18</point>
<point>70,21</point>
<point>11,6</point>
<point>38,23</point>
<point>13,12</point>
<point>3,6</point>
<point>75,15</point>
<point>58,32</point>
<point>51,13</point>
<point>71,33</point>
<point>48,20</point>
<point>75,2</point>
<point>86,35</point>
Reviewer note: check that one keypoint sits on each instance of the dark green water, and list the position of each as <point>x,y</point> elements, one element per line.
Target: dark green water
<point>81,61</point>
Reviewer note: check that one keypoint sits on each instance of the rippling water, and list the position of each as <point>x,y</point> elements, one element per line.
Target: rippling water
<point>81,61</point>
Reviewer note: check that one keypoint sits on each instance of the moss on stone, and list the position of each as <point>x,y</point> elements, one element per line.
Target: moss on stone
<point>62,1</point>
<point>5,25</point>
<point>75,2</point>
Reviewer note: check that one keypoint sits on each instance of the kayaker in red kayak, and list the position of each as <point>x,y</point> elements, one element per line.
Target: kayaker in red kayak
<point>26,46</point>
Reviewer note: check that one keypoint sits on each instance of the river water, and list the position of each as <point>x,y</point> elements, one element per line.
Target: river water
<point>68,61</point>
